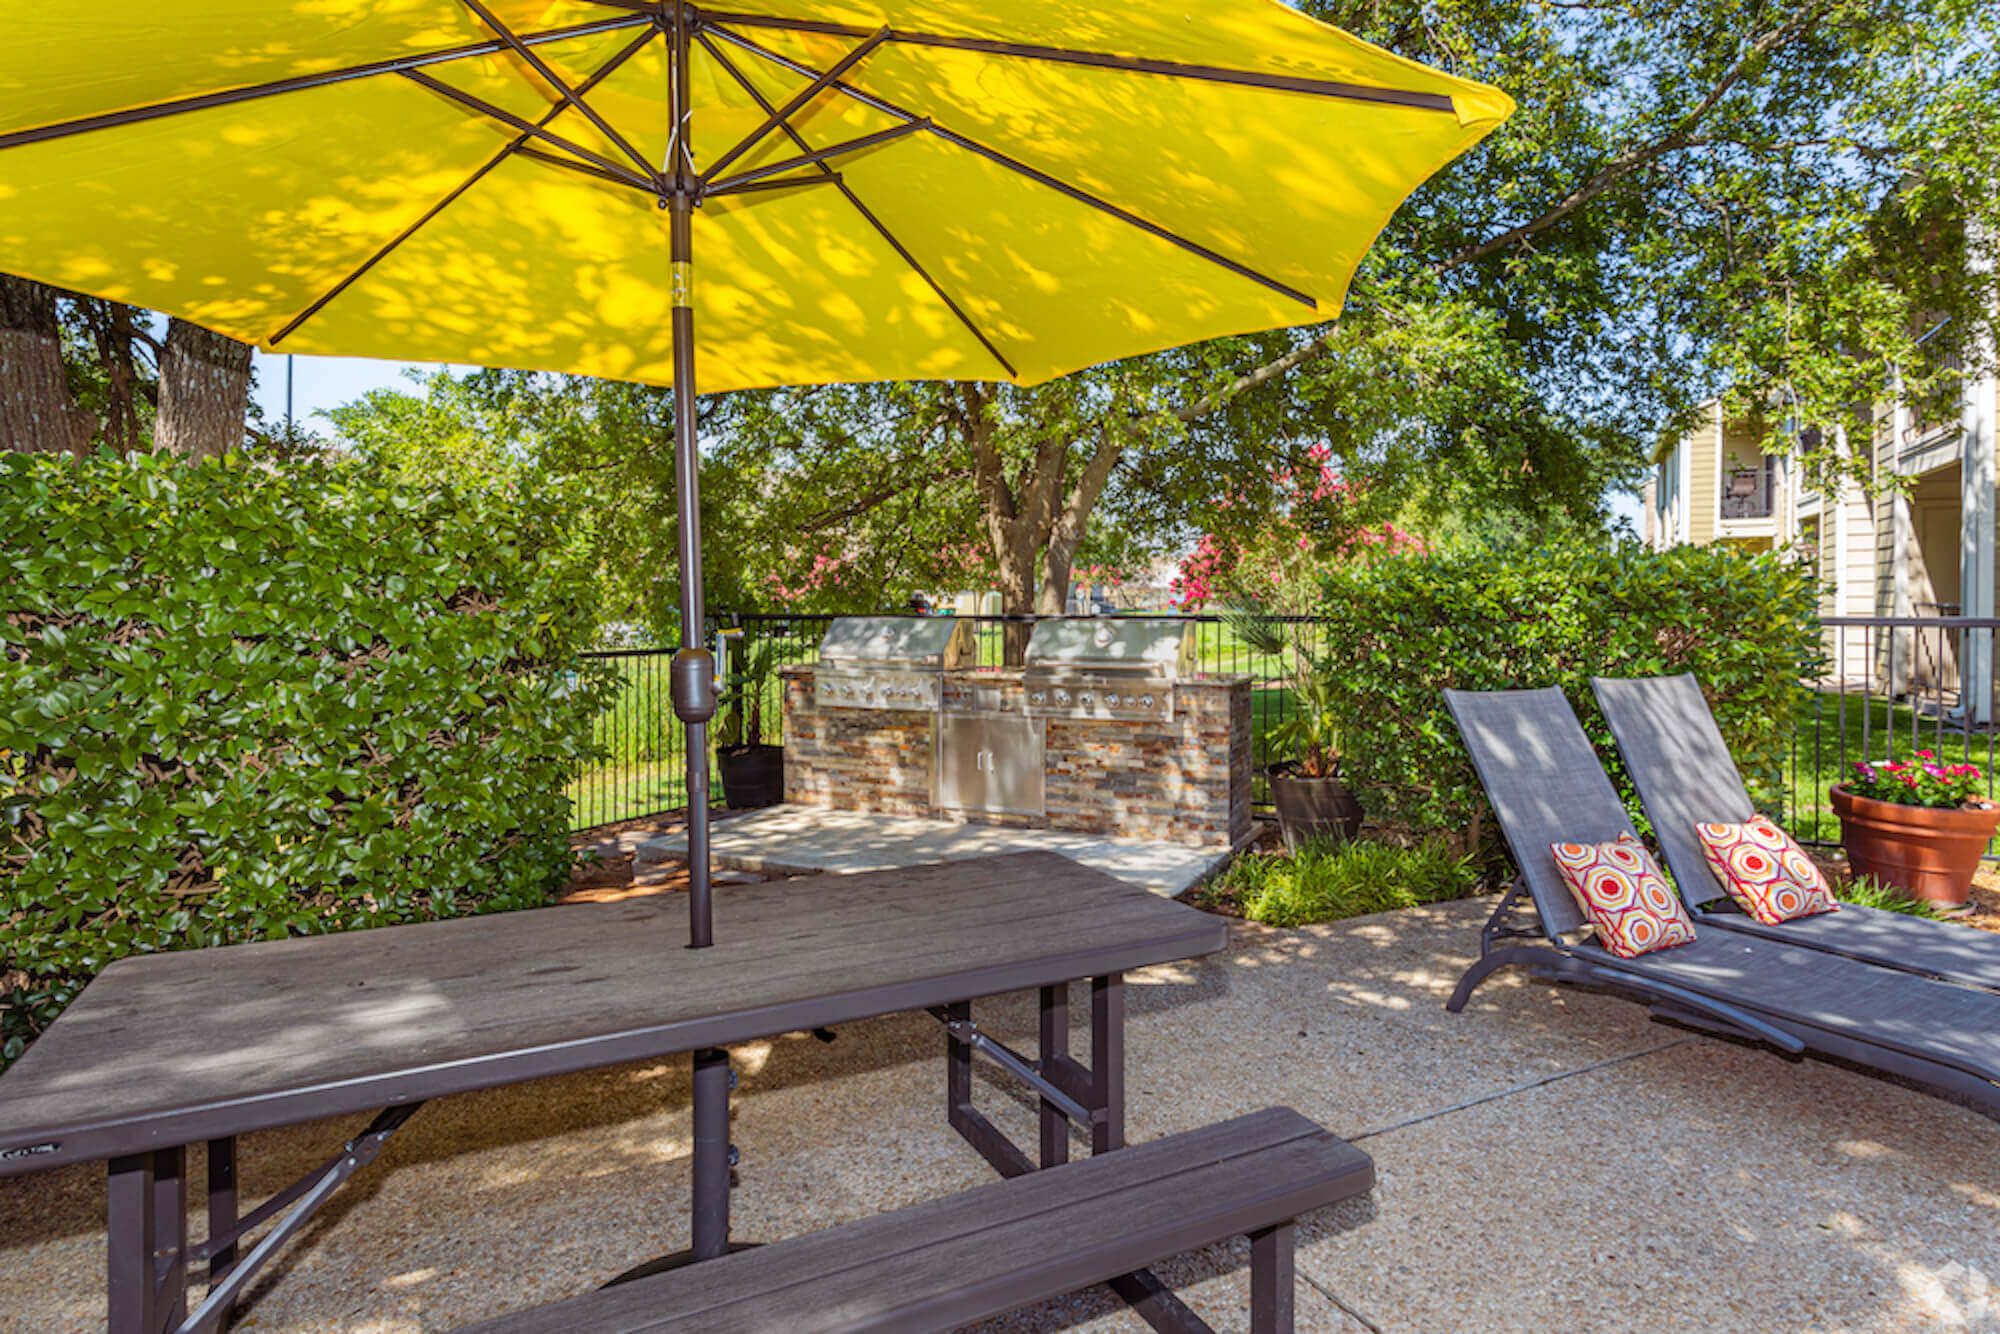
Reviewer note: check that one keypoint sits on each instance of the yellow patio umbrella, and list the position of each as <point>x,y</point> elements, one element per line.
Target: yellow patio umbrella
<point>830,190</point>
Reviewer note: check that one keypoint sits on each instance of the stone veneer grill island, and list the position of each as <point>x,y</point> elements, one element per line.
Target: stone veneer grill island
<point>1023,748</point>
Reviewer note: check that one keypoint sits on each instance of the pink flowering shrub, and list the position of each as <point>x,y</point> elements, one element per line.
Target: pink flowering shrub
<point>1920,782</point>
<point>1280,564</point>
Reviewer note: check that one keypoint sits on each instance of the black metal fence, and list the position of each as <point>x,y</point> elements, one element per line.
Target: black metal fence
<point>1891,686</point>
<point>643,772</point>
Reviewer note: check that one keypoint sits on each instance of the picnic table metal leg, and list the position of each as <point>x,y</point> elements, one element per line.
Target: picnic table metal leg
<point>1054,1047</point>
<point>221,1218</point>
<point>1271,1280</point>
<point>129,1224</point>
<point>170,1233</point>
<point>961,1037</point>
<point>711,1154</point>
<point>1107,1061</point>
<point>146,1226</point>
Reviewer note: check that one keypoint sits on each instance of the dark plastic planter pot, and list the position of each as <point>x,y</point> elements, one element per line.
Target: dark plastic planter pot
<point>1930,852</point>
<point>1312,808</point>
<point>752,776</point>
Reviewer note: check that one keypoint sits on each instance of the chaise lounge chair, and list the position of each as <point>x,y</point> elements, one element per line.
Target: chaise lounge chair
<point>1546,786</point>
<point>1682,769</point>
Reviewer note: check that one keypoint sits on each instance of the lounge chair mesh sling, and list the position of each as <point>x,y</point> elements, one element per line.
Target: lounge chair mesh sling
<point>1546,786</point>
<point>1682,768</point>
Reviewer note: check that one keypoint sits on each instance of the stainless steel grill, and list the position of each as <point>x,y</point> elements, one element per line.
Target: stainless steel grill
<point>891,662</point>
<point>1114,668</point>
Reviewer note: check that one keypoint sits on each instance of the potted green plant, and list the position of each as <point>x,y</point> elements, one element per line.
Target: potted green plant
<point>1920,825</point>
<point>753,774</point>
<point>1306,786</point>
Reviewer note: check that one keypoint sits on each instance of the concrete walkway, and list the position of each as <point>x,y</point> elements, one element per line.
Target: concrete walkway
<point>1548,1160</point>
<point>806,840</point>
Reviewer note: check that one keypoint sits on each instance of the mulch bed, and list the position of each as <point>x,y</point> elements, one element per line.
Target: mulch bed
<point>1218,894</point>
<point>610,875</point>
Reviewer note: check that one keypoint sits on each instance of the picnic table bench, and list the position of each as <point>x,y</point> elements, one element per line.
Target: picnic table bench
<point>168,1050</point>
<point>948,1262</point>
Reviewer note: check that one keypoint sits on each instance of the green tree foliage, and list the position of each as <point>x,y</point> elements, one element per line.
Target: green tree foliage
<point>1695,196</point>
<point>242,701</point>
<point>1771,200</point>
<point>599,455</point>
<point>1403,629</point>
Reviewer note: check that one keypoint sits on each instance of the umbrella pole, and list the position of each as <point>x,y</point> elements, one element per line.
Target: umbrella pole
<point>694,680</point>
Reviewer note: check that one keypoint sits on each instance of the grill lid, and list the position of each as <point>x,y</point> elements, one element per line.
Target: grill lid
<point>931,643</point>
<point>1153,646</point>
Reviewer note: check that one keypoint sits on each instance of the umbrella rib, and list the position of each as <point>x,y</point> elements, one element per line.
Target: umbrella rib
<point>304,82</point>
<point>784,114</point>
<point>722,58</point>
<point>1175,69</point>
<point>784,183</point>
<point>811,156</point>
<point>561,85</point>
<point>528,127</point>
<point>1034,174</point>
<point>518,145</point>
<point>585,169</point>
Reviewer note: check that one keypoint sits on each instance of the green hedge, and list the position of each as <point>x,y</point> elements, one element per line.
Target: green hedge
<point>1405,628</point>
<point>246,700</point>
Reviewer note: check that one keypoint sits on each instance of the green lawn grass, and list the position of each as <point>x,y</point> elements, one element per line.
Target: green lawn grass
<point>1834,733</point>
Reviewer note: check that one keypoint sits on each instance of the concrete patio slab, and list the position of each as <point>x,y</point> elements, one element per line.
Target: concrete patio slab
<point>808,840</point>
<point>1547,1160</point>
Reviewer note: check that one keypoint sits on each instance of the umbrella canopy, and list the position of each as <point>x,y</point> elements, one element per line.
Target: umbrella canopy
<point>970,189</point>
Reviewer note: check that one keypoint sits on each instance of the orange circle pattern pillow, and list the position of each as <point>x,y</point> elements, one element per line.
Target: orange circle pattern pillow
<point>1624,895</point>
<point>1765,871</point>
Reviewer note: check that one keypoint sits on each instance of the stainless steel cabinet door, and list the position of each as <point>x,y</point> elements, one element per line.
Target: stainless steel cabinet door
<point>988,763</point>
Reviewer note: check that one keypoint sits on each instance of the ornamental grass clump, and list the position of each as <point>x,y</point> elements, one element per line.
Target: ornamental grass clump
<point>1919,782</point>
<point>1326,881</point>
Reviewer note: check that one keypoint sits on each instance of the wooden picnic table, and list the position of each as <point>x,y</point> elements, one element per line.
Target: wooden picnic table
<point>163,1051</point>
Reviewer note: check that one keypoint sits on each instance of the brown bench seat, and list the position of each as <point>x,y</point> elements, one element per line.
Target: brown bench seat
<point>947,1262</point>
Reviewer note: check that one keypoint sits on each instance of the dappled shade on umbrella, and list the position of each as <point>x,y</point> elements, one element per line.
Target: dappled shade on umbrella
<point>1021,213</point>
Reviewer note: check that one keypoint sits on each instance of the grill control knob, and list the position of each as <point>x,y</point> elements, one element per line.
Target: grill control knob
<point>1111,701</point>
<point>1062,696</point>
<point>1036,698</point>
<point>1146,701</point>
<point>1083,700</point>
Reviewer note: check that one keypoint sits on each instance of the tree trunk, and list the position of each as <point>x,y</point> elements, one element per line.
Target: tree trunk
<point>204,392</point>
<point>1017,594</point>
<point>37,413</point>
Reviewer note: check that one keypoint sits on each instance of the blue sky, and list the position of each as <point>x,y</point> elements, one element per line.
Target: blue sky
<point>319,383</point>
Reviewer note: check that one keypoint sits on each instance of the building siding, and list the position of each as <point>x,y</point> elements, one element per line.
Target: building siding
<point>1701,502</point>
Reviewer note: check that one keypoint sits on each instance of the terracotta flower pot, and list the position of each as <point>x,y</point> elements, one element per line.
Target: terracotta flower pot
<point>1929,851</point>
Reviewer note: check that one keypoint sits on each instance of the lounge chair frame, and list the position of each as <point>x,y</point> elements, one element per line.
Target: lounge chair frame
<point>1640,711</point>
<point>1575,782</point>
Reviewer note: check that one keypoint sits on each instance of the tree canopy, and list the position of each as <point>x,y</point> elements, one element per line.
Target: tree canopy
<point>1770,201</point>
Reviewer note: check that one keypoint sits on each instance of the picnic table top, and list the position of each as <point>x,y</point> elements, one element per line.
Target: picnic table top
<point>168,1049</point>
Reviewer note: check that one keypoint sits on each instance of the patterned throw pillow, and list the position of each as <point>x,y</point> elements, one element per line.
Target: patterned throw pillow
<point>1765,871</point>
<point>1624,895</point>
